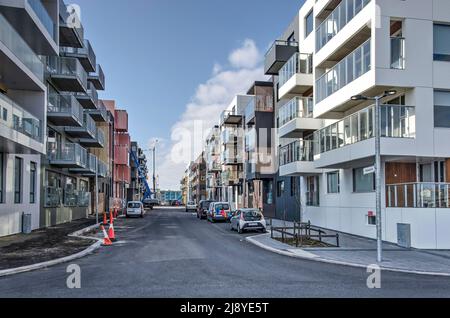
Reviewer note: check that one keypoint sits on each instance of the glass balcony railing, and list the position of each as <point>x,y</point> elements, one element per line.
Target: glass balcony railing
<point>65,104</point>
<point>229,136</point>
<point>69,153</point>
<point>337,19</point>
<point>398,53</point>
<point>346,71</point>
<point>86,51</point>
<point>299,63</point>
<point>18,119</point>
<point>91,164</point>
<point>298,151</point>
<point>102,170</point>
<point>281,43</point>
<point>43,16</point>
<point>67,66</point>
<point>418,195</point>
<point>99,77</point>
<point>298,107</point>
<point>52,197</point>
<point>397,121</point>
<point>89,125</point>
<point>14,42</point>
<point>100,136</point>
<point>83,199</point>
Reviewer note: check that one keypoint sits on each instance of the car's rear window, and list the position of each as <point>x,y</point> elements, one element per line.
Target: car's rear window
<point>252,215</point>
<point>134,205</point>
<point>206,204</point>
<point>222,207</point>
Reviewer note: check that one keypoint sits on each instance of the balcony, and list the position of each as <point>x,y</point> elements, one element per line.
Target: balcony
<point>102,170</point>
<point>214,166</point>
<point>71,31</point>
<point>20,132</point>
<point>352,138</point>
<point>229,136</point>
<point>67,74</point>
<point>87,130</point>
<point>259,103</point>
<point>231,117</point>
<point>297,158</point>
<point>278,54</point>
<point>97,142</point>
<point>343,73</point>
<point>232,157</point>
<point>21,67</point>
<point>68,156</point>
<point>295,118</point>
<point>64,110</point>
<point>85,55</point>
<point>97,78</point>
<point>90,169</point>
<point>231,177</point>
<point>418,195</point>
<point>88,99</point>
<point>296,76</point>
<point>337,20</point>
<point>99,114</point>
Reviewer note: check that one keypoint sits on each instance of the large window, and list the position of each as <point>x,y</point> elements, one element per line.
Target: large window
<point>309,23</point>
<point>280,188</point>
<point>361,182</point>
<point>33,177</point>
<point>333,185</point>
<point>18,165</point>
<point>312,191</point>
<point>2,178</point>
<point>442,109</point>
<point>441,36</point>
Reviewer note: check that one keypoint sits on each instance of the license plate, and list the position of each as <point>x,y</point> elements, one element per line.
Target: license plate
<point>253,224</point>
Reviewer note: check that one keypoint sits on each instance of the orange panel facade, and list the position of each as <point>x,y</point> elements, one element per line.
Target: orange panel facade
<point>121,120</point>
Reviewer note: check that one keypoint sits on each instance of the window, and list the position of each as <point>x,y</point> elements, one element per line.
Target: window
<point>5,114</point>
<point>2,179</point>
<point>294,186</point>
<point>280,188</point>
<point>333,185</point>
<point>18,165</point>
<point>33,176</point>
<point>312,191</point>
<point>441,35</point>
<point>363,183</point>
<point>309,23</point>
<point>371,219</point>
<point>441,109</point>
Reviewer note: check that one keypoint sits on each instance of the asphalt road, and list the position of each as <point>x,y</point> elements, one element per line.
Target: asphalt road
<point>171,253</point>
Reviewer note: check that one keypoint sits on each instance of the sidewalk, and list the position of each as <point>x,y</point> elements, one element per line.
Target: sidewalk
<point>361,252</point>
<point>43,245</point>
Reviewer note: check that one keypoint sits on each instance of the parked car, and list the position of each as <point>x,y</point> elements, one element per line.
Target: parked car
<point>203,207</point>
<point>135,208</point>
<point>248,220</point>
<point>191,206</point>
<point>219,211</point>
<point>151,203</point>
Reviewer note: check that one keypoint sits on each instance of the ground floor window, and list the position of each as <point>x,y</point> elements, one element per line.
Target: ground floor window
<point>363,183</point>
<point>333,185</point>
<point>33,177</point>
<point>312,191</point>
<point>280,188</point>
<point>2,178</point>
<point>268,192</point>
<point>18,166</point>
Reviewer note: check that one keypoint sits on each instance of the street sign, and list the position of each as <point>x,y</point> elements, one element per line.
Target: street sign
<point>369,170</point>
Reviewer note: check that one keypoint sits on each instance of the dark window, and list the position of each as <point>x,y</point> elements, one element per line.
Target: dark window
<point>280,188</point>
<point>294,186</point>
<point>312,191</point>
<point>361,182</point>
<point>441,35</point>
<point>33,176</point>
<point>371,220</point>
<point>2,178</point>
<point>441,109</point>
<point>18,165</point>
<point>333,185</point>
<point>309,23</point>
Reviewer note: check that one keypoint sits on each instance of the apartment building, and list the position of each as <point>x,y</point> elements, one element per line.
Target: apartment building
<point>137,188</point>
<point>213,165</point>
<point>122,147</point>
<point>197,179</point>
<point>26,34</point>
<point>332,51</point>
<point>184,186</point>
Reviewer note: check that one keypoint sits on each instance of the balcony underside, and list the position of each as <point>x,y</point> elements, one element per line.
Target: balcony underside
<point>277,57</point>
<point>12,141</point>
<point>78,132</point>
<point>233,120</point>
<point>70,164</point>
<point>98,116</point>
<point>39,39</point>
<point>69,37</point>
<point>83,172</point>
<point>91,143</point>
<point>298,84</point>
<point>95,80</point>
<point>299,168</point>
<point>86,101</point>
<point>64,119</point>
<point>68,83</point>
<point>13,76</point>
<point>299,127</point>
<point>84,61</point>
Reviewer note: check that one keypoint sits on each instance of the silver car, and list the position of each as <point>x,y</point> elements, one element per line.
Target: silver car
<point>248,220</point>
<point>135,208</point>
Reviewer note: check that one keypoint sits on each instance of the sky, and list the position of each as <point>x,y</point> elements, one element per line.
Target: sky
<point>174,65</point>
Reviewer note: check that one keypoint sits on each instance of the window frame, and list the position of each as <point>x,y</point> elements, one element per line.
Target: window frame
<point>18,182</point>
<point>309,15</point>
<point>338,183</point>
<point>33,181</point>
<point>354,181</point>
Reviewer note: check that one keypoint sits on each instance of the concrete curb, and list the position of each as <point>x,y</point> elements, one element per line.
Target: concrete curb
<point>78,234</point>
<point>317,258</point>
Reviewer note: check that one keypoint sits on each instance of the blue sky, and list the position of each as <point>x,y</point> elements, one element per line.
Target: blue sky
<point>162,56</point>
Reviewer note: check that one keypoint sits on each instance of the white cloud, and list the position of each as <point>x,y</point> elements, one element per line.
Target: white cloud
<point>203,111</point>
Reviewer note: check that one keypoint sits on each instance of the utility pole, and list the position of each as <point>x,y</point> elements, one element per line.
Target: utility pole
<point>96,189</point>
<point>377,100</point>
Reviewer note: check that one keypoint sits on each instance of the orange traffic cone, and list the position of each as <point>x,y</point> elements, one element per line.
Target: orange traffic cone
<point>111,234</point>
<point>106,240</point>
<point>111,218</point>
<point>105,220</point>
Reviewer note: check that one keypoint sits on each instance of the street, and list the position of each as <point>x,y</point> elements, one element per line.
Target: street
<point>170,253</point>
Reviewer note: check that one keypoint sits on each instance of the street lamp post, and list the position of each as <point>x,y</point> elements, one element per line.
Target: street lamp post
<point>377,100</point>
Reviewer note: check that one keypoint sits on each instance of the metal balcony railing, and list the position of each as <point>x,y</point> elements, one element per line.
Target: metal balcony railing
<point>397,121</point>
<point>299,63</point>
<point>298,107</point>
<point>418,195</point>
<point>297,151</point>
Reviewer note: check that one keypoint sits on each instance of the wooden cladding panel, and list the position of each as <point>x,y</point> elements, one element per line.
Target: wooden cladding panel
<point>399,172</point>
<point>447,170</point>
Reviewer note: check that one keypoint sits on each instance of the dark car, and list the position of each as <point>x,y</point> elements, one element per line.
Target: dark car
<point>202,210</point>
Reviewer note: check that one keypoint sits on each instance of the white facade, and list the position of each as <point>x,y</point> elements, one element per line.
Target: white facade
<point>370,41</point>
